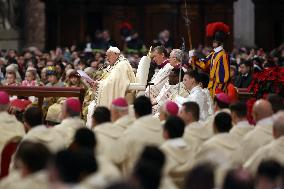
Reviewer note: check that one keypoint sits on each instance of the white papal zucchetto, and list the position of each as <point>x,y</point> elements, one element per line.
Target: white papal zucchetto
<point>113,49</point>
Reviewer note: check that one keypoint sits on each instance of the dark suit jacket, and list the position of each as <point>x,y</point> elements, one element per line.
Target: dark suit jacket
<point>243,81</point>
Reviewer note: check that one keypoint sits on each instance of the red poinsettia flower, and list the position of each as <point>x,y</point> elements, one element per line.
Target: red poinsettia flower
<point>270,80</point>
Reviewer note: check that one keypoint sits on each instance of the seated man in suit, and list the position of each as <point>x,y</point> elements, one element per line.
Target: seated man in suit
<point>244,79</point>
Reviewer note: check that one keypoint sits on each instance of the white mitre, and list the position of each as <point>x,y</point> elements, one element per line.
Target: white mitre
<point>113,49</point>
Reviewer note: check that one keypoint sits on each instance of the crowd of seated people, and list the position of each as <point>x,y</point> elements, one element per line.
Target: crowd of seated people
<point>157,141</point>
<point>128,147</point>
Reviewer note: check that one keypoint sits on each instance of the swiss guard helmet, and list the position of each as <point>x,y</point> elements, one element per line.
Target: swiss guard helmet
<point>218,31</point>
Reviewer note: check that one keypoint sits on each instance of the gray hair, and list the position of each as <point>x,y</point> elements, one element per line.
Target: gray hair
<point>177,53</point>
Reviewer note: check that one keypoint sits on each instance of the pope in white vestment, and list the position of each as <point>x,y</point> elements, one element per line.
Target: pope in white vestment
<point>115,80</point>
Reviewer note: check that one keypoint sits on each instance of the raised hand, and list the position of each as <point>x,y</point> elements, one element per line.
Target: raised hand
<point>191,53</point>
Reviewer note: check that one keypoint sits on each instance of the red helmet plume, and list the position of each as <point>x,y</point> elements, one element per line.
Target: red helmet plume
<point>212,28</point>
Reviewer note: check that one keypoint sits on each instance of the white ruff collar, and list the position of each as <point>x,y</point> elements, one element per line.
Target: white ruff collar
<point>218,49</point>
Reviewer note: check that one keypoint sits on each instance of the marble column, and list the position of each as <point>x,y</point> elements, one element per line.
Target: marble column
<point>34,24</point>
<point>9,30</point>
<point>244,23</point>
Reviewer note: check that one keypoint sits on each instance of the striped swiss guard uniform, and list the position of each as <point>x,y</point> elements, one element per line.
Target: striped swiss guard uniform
<point>218,63</point>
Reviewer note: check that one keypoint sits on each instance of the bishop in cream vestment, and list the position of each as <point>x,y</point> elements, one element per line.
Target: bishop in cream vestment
<point>37,180</point>
<point>47,136</point>
<point>108,135</point>
<point>241,129</point>
<point>179,159</point>
<point>222,144</point>
<point>195,134</point>
<point>146,130</point>
<point>253,140</point>
<point>208,123</point>
<point>218,150</point>
<point>10,128</point>
<point>271,151</point>
<point>68,127</point>
<point>106,174</point>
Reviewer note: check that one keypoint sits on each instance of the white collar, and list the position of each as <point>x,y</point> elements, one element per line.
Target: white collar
<point>167,60</point>
<point>176,142</point>
<point>195,123</point>
<point>194,89</point>
<point>167,66</point>
<point>218,49</point>
<point>241,123</point>
<point>265,121</point>
<point>38,127</point>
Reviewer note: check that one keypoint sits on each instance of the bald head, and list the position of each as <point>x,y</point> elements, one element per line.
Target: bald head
<point>262,109</point>
<point>278,125</point>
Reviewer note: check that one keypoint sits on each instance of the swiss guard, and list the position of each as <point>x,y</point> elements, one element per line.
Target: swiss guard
<point>217,62</point>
